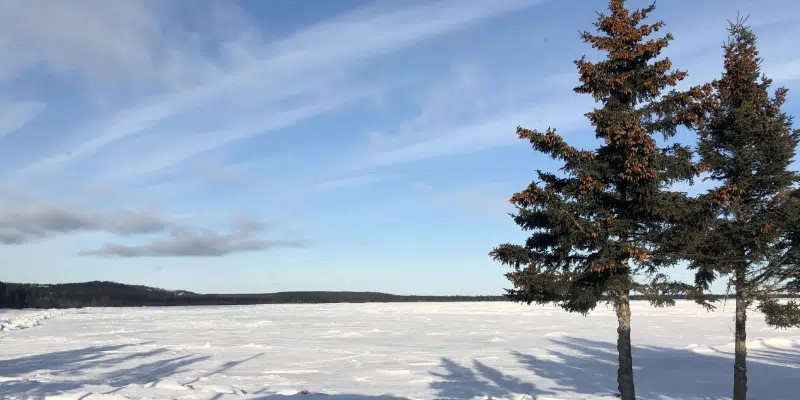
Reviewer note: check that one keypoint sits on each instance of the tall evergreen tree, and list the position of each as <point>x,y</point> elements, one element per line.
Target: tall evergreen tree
<point>753,232</point>
<point>595,226</point>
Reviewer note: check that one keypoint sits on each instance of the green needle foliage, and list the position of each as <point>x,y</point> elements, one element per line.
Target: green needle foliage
<point>595,227</point>
<point>751,232</point>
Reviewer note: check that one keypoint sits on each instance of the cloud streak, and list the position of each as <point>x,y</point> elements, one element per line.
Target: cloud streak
<point>38,221</point>
<point>105,45</point>
<point>23,224</point>
<point>348,182</point>
<point>340,45</point>
<point>454,120</point>
<point>15,115</point>
<point>201,243</point>
<point>471,136</point>
<point>187,146</point>
<point>487,199</point>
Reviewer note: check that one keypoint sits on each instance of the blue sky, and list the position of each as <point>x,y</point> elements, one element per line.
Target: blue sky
<point>258,146</point>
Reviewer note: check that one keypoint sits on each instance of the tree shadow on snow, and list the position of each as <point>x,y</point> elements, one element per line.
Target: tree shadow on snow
<point>589,367</point>
<point>481,381</point>
<point>70,364</point>
<point>70,367</point>
<point>323,396</point>
<point>454,382</point>
<point>575,365</point>
<point>57,360</point>
<point>225,367</point>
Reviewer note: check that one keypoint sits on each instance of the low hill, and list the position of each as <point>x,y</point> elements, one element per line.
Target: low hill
<point>112,294</point>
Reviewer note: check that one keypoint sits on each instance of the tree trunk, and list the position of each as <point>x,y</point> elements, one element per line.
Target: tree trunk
<point>740,360</point>
<point>625,371</point>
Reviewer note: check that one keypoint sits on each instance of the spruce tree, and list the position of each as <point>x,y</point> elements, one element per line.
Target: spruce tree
<point>595,226</point>
<point>752,232</point>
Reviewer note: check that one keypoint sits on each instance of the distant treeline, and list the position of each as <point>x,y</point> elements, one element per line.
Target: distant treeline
<point>111,294</point>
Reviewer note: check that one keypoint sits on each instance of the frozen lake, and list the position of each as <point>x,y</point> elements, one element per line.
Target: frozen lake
<point>383,351</point>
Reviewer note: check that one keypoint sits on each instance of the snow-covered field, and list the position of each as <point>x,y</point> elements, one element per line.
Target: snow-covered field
<point>382,351</point>
<point>17,319</point>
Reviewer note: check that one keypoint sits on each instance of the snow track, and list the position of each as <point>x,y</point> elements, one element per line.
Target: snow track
<point>419,351</point>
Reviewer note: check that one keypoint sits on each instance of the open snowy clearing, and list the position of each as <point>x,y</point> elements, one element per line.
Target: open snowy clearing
<point>382,351</point>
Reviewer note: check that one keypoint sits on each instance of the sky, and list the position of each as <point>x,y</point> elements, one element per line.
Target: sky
<point>261,146</point>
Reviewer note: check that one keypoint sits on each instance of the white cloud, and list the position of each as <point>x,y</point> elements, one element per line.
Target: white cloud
<point>471,136</point>
<point>489,199</point>
<point>26,219</point>
<point>197,243</point>
<point>185,146</point>
<point>28,222</point>
<point>348,182</point>
<point>783,72</point>
<point>336,45</point>
<point>466,112</point>
<point>103,44</point>
<point>15,115</point>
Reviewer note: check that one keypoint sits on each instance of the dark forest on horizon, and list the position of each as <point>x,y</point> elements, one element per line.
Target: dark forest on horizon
<point>112,294</point>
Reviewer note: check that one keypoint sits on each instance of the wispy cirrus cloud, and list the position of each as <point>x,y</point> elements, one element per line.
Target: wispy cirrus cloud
<point>15,115</point>
<point>466,111</point>
<point>118,45</point>
<point>185,146</point>
<point>261,85</point>
<point>287,113</point>
<point>347,182</point>
<point>487,199</point>
<point>470,136</point>
<point>785,72</point>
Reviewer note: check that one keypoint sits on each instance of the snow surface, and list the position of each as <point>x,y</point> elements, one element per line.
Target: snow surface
<point>383,351</point>
<point>17,319</point>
